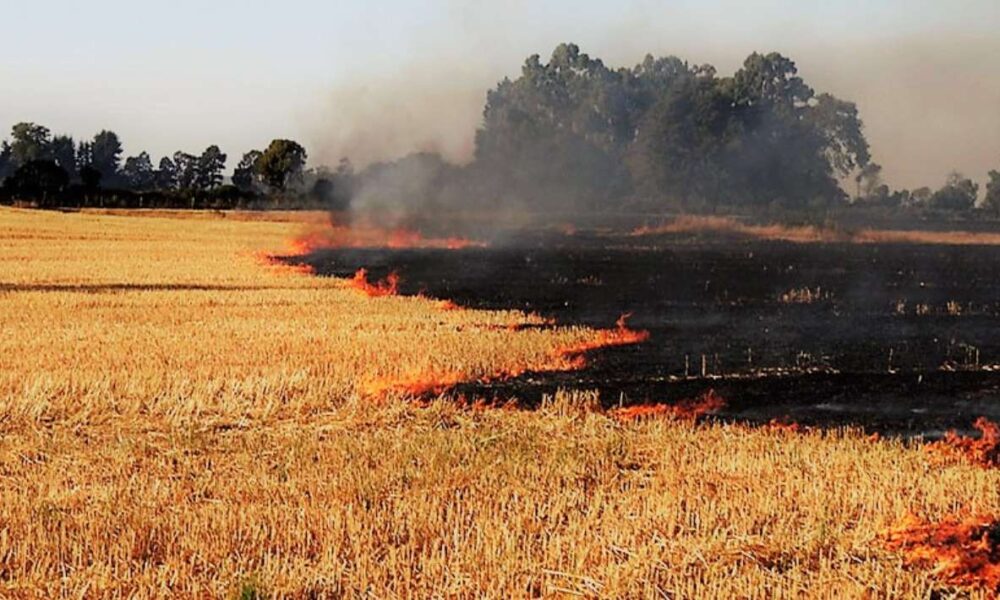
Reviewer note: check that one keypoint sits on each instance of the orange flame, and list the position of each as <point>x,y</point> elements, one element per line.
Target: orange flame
<point>983,451</point>
<point>278,266</point>
<point>784,425</point>
<point>685,410</point>
<point>416,384</point>
<point>621,335</point>
<point>386,287</point>
<point>570,358</point>
<point>962,552</point>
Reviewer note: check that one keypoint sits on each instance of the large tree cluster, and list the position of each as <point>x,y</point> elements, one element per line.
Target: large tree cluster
<point>667,133</point>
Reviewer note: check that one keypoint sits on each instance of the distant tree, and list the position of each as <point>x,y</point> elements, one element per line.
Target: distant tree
<point>106,152</point>
<point>62,149</point>
<point>843,140</point>
<point>186,169</point>
<point>678,151</point>
<point>6,161</point>
<point>29,142</point>
<point>901,198</point>
<point>209,168</point>
<point>38,180</point>
<point>90,177</point>
<point>165,177</point>
<point>958,194</point>
<point>138,173</point>
<point>770,80</point>
<point>245,175</point>
<point>868,179</point>
<point>281,163</point>
<point>992,200</point>
<point>882,196</point>
<point>84,155</point>
<point>921,196</point>
<point>793,145</point>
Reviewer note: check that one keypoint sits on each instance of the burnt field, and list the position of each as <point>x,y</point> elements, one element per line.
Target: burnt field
<point>891,337</point>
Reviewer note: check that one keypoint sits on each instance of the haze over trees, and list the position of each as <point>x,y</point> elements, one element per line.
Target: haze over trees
<point>569,134</point>
<point>667,133</point>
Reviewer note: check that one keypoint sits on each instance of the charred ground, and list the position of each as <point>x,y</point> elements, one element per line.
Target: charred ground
<point>892,337</point>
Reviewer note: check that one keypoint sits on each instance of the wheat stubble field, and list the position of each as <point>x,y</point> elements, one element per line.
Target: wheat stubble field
<point>179,418</point>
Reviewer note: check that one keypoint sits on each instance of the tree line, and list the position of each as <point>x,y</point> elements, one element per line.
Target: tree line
<point>567,134</point>
<point>54,170</point>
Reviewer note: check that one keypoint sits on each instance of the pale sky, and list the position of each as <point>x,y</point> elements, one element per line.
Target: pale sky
<point>374,79</point>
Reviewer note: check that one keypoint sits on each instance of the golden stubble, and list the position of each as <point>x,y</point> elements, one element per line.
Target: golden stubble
<point>179,418</point>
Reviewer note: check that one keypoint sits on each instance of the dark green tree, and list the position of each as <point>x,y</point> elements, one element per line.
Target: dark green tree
<point>793,145</point>
<point>921,197</point>
<point>106,152</point>
<point>245,175</point>
<point>84,155</point>
<point>281,163</point>
<point>209,169</point>
<point>842,133</point>
<point>958,194</point>
<point>186,170</point>
<point>868,179</point>
<point>62,149</point>
<point>556,135</point>
<point>679,151</point>
<point>138,173</point>
<point>39,180</point>
<point>165,177</point>
<point>90,177</point>
<point>29,142</point>
<point>992,200</point>
<point>6,161</point>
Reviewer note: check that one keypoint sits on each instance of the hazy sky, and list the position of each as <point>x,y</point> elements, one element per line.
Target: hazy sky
<point>372,79</point>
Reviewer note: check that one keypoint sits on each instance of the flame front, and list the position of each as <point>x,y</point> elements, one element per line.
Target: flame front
<point>964,552</point>
<point>983,451</point>
<point>276,265</point>
<point>386,287</point>
<point>686,410</point>
<point>621,335</point>
<point>569,358</point>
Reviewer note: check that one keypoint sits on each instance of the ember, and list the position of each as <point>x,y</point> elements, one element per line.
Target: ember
<point>964,552</point>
